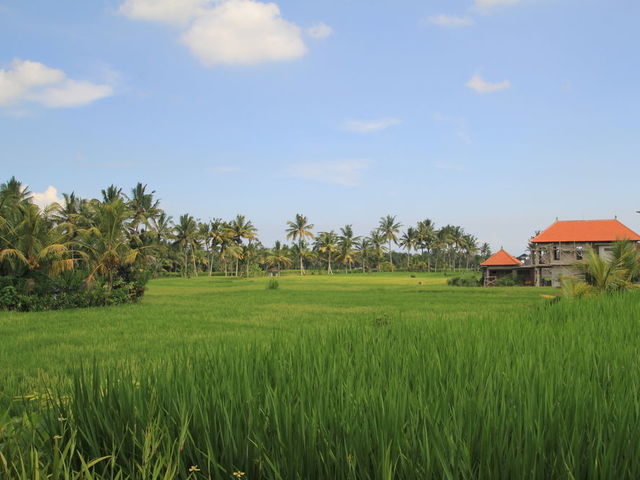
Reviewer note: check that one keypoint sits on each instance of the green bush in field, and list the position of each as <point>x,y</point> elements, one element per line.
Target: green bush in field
<point>506,281</point>
<point>468,280</point>
<point>273,284</point>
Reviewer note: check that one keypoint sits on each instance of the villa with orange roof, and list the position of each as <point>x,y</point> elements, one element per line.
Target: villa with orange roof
<point>555,251</point>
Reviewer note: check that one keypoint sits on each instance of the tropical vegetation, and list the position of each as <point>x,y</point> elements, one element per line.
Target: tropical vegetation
<point>85,252</point>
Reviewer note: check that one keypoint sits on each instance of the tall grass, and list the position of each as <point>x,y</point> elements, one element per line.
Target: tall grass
<point>553,392</point>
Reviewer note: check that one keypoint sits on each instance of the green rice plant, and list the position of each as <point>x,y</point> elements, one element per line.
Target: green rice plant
<point>273,284</point>
<point>463,383</point>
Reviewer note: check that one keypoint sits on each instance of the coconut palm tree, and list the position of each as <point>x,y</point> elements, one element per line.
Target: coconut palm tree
<point>111,194</point>
<point>346,241</point>
<point>143,206</point>
<point>300,229</point>
<point>242,229</point>
<point>186,238</point>
<point>277,256</point>
<point>409,241</point>
<point>425,238</point>
<point>363,246</point>
<point>14,192</point>
<point>105,243</point>
<point>469,245</point>
<point>615,273</point>
<point>327,244</point>
<point>389,228</point>
<point>376,240</point>
<point>30,243</point>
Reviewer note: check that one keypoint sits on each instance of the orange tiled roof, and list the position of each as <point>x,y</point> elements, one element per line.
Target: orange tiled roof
<point>501,259</point>
<point>586,231</point>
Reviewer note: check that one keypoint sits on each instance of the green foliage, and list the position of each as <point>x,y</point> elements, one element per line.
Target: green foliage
<point>273,284</point>
<point>338,384</point>
<point>506,281</point>
<point>387,267</point>
<point>603,275</point>
<point>468,280</point>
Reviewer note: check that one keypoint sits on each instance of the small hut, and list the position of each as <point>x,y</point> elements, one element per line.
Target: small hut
<point>273,271</point>
<point>501,264</point>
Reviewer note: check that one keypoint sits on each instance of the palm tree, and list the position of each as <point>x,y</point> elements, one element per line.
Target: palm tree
<point>425,237</point>
<point>376,240</point>
<point>14,192</point>
<point>277,257</point>
<point>111,194</point>
<point>485,251</point>
<point>327,243</point>
<point>389,227</point>
<point>346,242</point>
<point>105,242</point>
<point>242,229</point>
<point>300,230</point>
<point>185,235</point>
<point>362,247</point>
<point>615,273</point>
<point>29,243</point>
<point>143,206</point>
<point>444,242</point>
<point>470,246</point>
<point>408,241</point>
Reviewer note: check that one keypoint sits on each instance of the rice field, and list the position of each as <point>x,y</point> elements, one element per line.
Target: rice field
<point>351,376</point>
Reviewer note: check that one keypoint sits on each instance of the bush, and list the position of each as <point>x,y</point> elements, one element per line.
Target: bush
<point>273,284</point>
<point>506,281</point>
<point>473,280</point>
<point>57,298</point>
<point>387,267</point>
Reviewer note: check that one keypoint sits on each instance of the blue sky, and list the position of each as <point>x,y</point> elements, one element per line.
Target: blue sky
<point>497,115</point>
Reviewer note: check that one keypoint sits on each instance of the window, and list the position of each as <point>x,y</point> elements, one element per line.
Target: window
<point>579,252</point>
<point>556,253</point>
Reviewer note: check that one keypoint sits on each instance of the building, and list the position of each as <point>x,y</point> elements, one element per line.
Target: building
<point>555,251</point>
<point>502,264</point>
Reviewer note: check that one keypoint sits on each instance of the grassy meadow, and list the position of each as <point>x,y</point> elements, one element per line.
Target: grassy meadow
<point>350,376</point>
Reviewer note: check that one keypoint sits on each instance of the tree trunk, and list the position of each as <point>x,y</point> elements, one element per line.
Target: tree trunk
<point>186,265</point>
<point>390,259</point>
<point>195,268</point>
<point>301,262</point>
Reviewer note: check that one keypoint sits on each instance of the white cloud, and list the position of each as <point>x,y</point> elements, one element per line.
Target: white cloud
<point>346,173</point>
<point>488,4</point>
<point>480,85</point>
<point>72,93</point>
<point>368,126</point>
<point>320,30</point>
<point>450,21</point>
<point>28,81</point>
<point>231,32</point>
<point>174,12</point>
<point>49,196</point>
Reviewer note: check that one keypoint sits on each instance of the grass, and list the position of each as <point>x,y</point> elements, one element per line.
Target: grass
<point>372,377</point>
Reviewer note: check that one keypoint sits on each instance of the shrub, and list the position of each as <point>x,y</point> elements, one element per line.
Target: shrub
<point>273,284</point>
<point>469,280</point>
<point>387,267</point>
<point>506,281</point>
<point>57,298</point>
<point>9,298</point>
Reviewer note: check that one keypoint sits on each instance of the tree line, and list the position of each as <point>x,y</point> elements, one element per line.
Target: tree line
<point>121,236</point>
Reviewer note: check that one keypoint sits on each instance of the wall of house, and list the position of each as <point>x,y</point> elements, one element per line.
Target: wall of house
<point>554,260</point>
